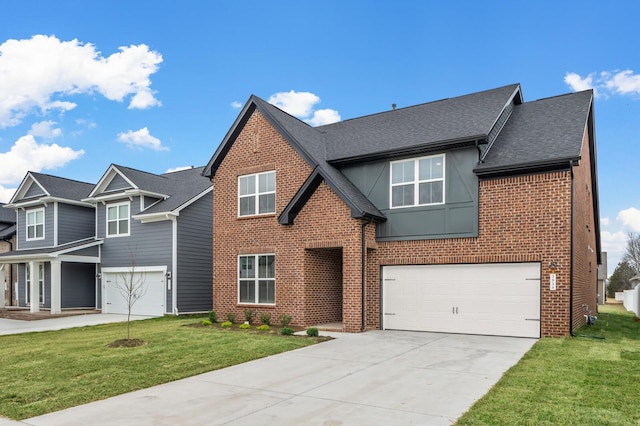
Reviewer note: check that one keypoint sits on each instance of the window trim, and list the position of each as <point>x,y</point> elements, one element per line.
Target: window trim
<point>26,218</point>
<point>256,194</point>
<point>27,281</point>
<point>416,181</point>
<point>118,219</point>
<point>256,280</point>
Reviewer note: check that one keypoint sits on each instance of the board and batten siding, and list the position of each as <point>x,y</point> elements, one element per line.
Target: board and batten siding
<point>148,243</point>
<point>78,285</point>
<point>457,217</point>
<point>195,256</point>
<point>75,223</point>
<point>21,229</point>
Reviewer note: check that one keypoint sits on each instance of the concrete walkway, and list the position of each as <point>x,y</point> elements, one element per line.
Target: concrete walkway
<point>378,377</point>
<point>9,326</point>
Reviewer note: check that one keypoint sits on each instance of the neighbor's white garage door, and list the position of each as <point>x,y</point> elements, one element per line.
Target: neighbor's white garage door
<point>152,301</point>
<point>495,299</point>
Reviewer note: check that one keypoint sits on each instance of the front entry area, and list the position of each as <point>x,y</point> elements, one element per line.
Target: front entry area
<point>501,299</point>
<point>148,288</point>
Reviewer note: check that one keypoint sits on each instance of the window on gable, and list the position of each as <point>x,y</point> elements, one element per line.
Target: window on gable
<point>257,194</point>
<point>418,182</point>
<point>35,224</point>
<point>118,220</point>
<point>257,279</point>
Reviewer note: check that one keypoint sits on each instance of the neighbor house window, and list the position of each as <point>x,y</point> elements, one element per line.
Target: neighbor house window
<point>257,194</point>
<point>118,220</point>
<point>257,278</point>
<point>417,182</point>
<point>35,224</point>
<point>27,269</point>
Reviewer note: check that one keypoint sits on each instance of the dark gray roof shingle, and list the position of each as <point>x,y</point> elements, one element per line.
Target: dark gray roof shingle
<point>6,215</point>
<point>181,186</point>
<point>64,188</point>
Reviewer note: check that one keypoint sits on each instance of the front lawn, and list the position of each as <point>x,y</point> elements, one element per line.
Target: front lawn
<point>50,371</point>
<point>583,380</point>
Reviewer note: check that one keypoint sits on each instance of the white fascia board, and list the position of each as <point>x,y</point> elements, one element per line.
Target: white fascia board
<point>194,199</point>
<point>45,201</point>
<point>129,193</point>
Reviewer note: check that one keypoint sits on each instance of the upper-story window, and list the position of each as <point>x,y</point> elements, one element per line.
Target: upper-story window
<point>35,224</point>
<point>418,181</point>
<point>118,220</point>
<point>257,194</point>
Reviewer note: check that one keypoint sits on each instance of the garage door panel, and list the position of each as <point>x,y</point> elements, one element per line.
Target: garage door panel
<point>495,299</point>
<point>151,302</point>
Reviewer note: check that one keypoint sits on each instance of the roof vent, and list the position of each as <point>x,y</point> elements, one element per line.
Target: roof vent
<point>393,106</point>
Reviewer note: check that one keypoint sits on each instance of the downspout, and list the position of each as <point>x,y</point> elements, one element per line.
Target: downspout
<point>363,261</point>
<point>571,256</point>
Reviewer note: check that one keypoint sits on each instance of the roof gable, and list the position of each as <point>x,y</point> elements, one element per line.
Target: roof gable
<point>39,186</point>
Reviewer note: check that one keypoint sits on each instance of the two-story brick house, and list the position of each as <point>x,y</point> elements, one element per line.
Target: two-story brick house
<point>83,240</point>
<point>474,214</point>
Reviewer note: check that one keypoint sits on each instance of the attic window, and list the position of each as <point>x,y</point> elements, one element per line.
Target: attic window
<point>418,181</point>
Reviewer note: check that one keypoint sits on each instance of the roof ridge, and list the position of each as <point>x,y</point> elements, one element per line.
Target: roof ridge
<point>60,177</point>
<point>560,96</point>
<point>138,170</point>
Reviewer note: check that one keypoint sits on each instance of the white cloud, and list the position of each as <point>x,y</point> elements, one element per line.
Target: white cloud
<point>45,129</point>
<point>630,218</point>
<point>606,82</point>
<point>141,139</point>
<point>6,194</point>
<point>179,168</point>
<point>236,105</point>
<point>27,154</point>
<point>324,116</point>
<point>301,104</point>
<point>38,72</point>
<point>604,221</point>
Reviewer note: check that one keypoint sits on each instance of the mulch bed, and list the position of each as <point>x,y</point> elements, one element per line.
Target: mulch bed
<point>26,315</point>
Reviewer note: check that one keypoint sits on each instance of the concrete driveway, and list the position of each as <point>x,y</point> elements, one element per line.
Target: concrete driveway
<point>378,377</point>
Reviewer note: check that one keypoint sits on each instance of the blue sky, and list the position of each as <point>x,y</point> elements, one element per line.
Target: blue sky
<point>155,85</point>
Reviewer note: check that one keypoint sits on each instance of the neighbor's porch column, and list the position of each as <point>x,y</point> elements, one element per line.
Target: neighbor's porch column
<point>3,286</point>
<point>35,287</point>
<point>56,272</point>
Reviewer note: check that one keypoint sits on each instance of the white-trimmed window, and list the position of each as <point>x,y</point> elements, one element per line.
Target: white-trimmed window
<point>118,220</point>
<point>35,224</point>
<point>257,194</point>
<point>257,279</point>
<point>27,270</point>
<point>418,181</point>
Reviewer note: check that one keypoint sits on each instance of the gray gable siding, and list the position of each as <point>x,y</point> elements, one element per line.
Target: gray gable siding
<point>148,243</point>
<point>78,286</point>
<point>195,254</point>
<point>118,183</point>
<point>48,229</point>
<point>75,223</point>
<point>458,217</point>
<point>34,191</point>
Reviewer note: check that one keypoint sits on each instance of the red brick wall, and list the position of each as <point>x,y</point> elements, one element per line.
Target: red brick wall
<point>522,219</point>
<point>323,223</point>
<point>585,261</point>
<point>323,279</point>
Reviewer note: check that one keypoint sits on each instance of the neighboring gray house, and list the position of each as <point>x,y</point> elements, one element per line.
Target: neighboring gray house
<point>82,240</point>
<point>8,272</point>
<point>56,252</point>
<point>158,230</point>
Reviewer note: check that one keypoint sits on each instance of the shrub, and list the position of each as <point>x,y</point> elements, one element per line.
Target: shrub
<point>265,319</point>
<point>231,317</point>
<point>213,317</point>
<point>312,332</point>
<point>263,327</point>
<point>244,326</point>
<point>248,315</point>
<point>226,324</point>
<point>285,320</point>
<point>206,322</point>
<point>286,331</point>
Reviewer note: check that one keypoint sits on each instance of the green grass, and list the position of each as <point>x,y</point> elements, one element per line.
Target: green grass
<point>571,381</point>
<point>50,371</point>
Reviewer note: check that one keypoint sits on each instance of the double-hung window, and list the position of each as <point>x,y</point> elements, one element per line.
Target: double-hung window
<point>257,194</point>
<point>418,181</point>
<point>118,220</point>
<point>257,279</point>
<point>35,224</point>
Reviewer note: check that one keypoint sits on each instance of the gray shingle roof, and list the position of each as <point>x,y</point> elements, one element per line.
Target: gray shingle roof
<point>59,187</point>
<point>456,119</point>
<point>144,180</point>
<point>181,186</point>
<point>540,133</point>
<point>7,215</point>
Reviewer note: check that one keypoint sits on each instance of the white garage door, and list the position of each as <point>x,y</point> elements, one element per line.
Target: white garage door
<point>151,302</point>
<point>500,299</point>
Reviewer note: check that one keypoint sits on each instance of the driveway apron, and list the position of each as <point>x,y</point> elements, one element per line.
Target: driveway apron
<point>377,377</point>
